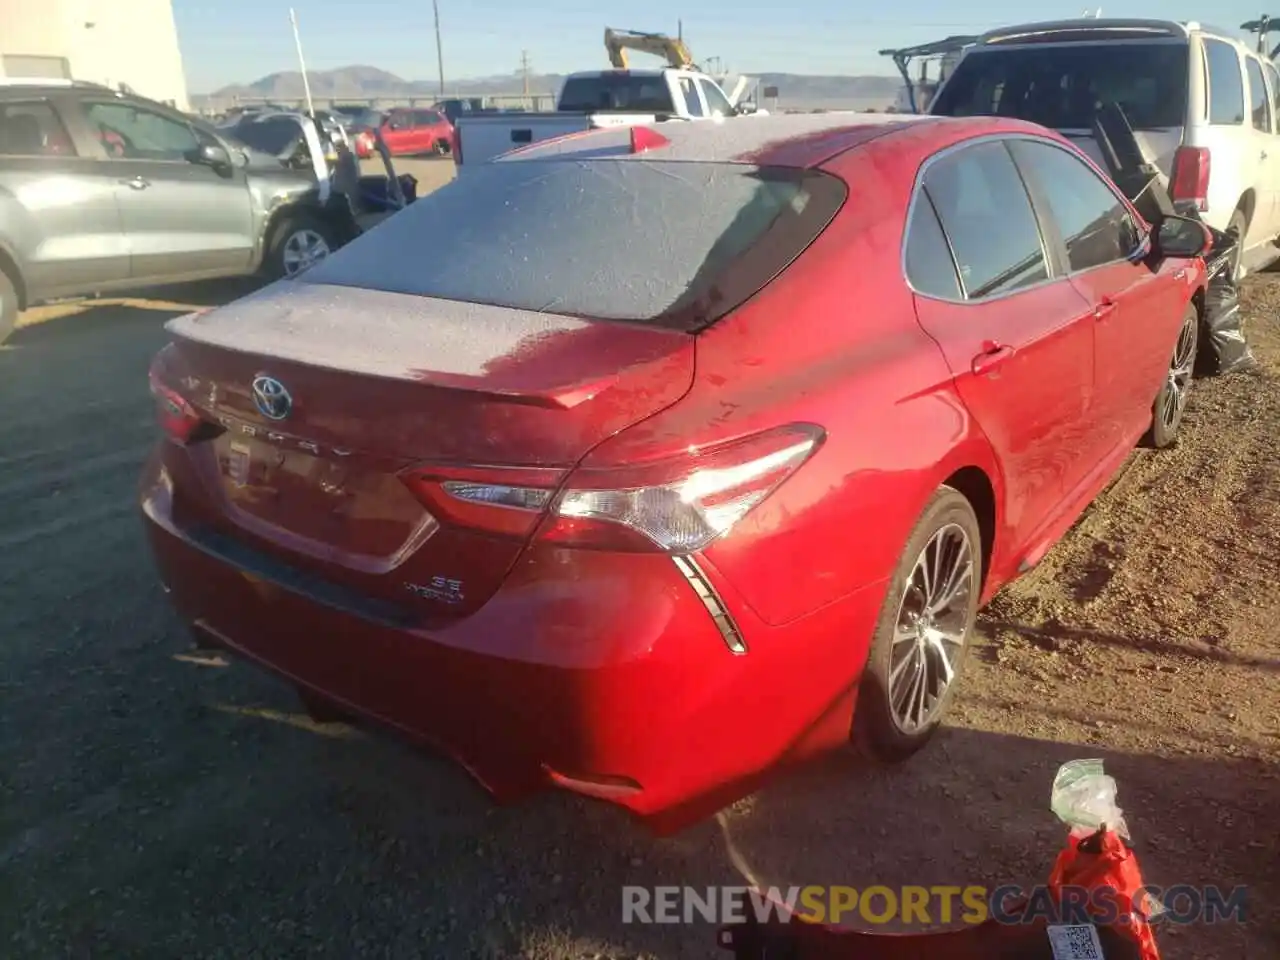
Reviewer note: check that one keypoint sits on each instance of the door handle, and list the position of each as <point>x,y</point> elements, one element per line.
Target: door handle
<point>993,354</point>
<point>1104,308</point>
<point>1264,155</point>
<point>137,183</point>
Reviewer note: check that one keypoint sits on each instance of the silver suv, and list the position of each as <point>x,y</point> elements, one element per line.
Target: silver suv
<point>102,191</point>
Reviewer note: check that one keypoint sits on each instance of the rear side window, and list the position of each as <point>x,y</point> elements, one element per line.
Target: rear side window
<point>930,269</point>
<point>1259,101</point>
<point>1226,89</point>
<point>33,129</point>
<point>617,91</point>
<point>1273,77</point>
<point>1062,86</point>
<point>678,244</point>
<point>986,214</point>
<point>1095,225</point>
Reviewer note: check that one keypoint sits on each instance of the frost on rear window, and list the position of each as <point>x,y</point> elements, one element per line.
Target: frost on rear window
<point>677,243</point>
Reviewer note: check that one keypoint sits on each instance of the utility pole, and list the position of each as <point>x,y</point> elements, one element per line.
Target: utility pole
<point>524,71</point>
<point>302,64</point>
<point>435,6</point>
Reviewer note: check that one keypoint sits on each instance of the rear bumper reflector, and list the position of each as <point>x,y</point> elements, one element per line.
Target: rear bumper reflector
<point>729,631</point>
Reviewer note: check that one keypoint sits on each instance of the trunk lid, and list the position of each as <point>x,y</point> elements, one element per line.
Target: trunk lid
<point>327,394</point>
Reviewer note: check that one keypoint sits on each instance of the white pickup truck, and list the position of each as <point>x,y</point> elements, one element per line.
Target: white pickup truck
<point>594,99</point>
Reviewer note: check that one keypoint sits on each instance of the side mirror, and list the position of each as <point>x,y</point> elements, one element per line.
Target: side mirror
<point>210,155</point>
<point>1182,237</point>
<point>745,109</point>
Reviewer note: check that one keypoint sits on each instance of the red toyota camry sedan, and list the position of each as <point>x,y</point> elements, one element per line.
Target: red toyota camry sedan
<point>684,451</point>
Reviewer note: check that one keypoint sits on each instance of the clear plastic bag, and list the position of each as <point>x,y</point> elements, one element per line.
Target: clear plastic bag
<point>1084,798</point>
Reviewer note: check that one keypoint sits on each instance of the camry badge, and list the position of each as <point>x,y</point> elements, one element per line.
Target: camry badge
<point>271,398</point>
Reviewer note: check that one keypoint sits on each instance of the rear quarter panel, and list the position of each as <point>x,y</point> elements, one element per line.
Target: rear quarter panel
<point>833,341</point>
<point>1233,157</point>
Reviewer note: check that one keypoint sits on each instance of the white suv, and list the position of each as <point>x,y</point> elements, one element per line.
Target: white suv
<point>1204,106</point>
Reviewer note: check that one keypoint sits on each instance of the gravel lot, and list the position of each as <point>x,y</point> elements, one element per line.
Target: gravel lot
<point>157,804</point>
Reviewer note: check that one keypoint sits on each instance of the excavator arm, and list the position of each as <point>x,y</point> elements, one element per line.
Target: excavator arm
<point>674,51</point>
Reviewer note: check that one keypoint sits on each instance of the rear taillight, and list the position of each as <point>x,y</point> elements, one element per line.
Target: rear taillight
<point>174,415</point>
<point>676,506</point>
<point>177,418</point>
<point>498,501</point>
<point>1190,180</point>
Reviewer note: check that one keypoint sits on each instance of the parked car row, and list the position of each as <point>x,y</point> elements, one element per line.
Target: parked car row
<point>667,462</point>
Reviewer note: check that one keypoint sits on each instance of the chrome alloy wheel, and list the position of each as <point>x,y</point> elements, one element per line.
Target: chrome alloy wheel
<point>931,629</point>
<point>1179,381</point>
<point>303,249</point>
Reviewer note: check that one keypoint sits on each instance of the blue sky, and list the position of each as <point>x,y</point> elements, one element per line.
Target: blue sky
<point>227,41</point>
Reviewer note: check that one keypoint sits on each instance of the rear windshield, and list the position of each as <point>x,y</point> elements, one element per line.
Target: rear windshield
<point>617,91</point>
<point>1061,87</point>
<point>678,244</point>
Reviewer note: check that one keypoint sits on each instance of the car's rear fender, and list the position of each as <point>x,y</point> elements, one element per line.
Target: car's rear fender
<point>834,342</point>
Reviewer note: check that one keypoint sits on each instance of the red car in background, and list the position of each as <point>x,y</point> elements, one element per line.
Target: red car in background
<point>406,132</point>
<point>680,453</point>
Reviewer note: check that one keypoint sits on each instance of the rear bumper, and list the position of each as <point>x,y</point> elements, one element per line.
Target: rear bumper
<point>602,674</point>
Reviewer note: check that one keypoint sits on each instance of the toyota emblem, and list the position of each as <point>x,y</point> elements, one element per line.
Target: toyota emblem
<point>271,398</point>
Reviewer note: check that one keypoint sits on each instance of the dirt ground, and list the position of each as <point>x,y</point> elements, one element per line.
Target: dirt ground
<point>156,804</point>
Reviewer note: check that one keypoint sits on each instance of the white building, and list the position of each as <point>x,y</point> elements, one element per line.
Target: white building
<point>134,42</point>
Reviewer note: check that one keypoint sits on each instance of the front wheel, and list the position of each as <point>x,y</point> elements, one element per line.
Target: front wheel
<point>1171,401</point>
<point>299,243</point>
<point>922,638</point>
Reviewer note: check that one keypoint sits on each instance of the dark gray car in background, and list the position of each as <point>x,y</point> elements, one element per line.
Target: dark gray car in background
<point>103,191</point>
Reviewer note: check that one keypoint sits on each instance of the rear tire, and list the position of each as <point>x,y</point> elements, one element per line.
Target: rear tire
<point>1238,225</point>
<point>8,307</point>
<point>922,638</point>
<point>1171,402</point>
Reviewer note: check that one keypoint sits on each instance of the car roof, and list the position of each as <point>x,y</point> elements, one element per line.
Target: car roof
<point>1100,30</point>
<point>790,140</point>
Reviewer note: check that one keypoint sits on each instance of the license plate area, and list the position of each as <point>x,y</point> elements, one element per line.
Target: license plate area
<point>340,509</point>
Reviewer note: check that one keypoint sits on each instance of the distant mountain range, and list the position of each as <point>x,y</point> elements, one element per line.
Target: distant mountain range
<point>365,83</point>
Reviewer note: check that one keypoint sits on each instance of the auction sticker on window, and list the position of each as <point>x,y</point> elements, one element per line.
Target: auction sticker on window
<point>1075,941</point>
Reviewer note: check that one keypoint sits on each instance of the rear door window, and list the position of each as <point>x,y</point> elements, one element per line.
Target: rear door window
<point>1093,222</point>
<point>674,243</point>
<point>1273,78</point>
<point>33,129</point>
<point>930,269</point>
<point>1259,100</point>
<point>985,211</point>
<point>1062,85</point>
<point>1226,89</point>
